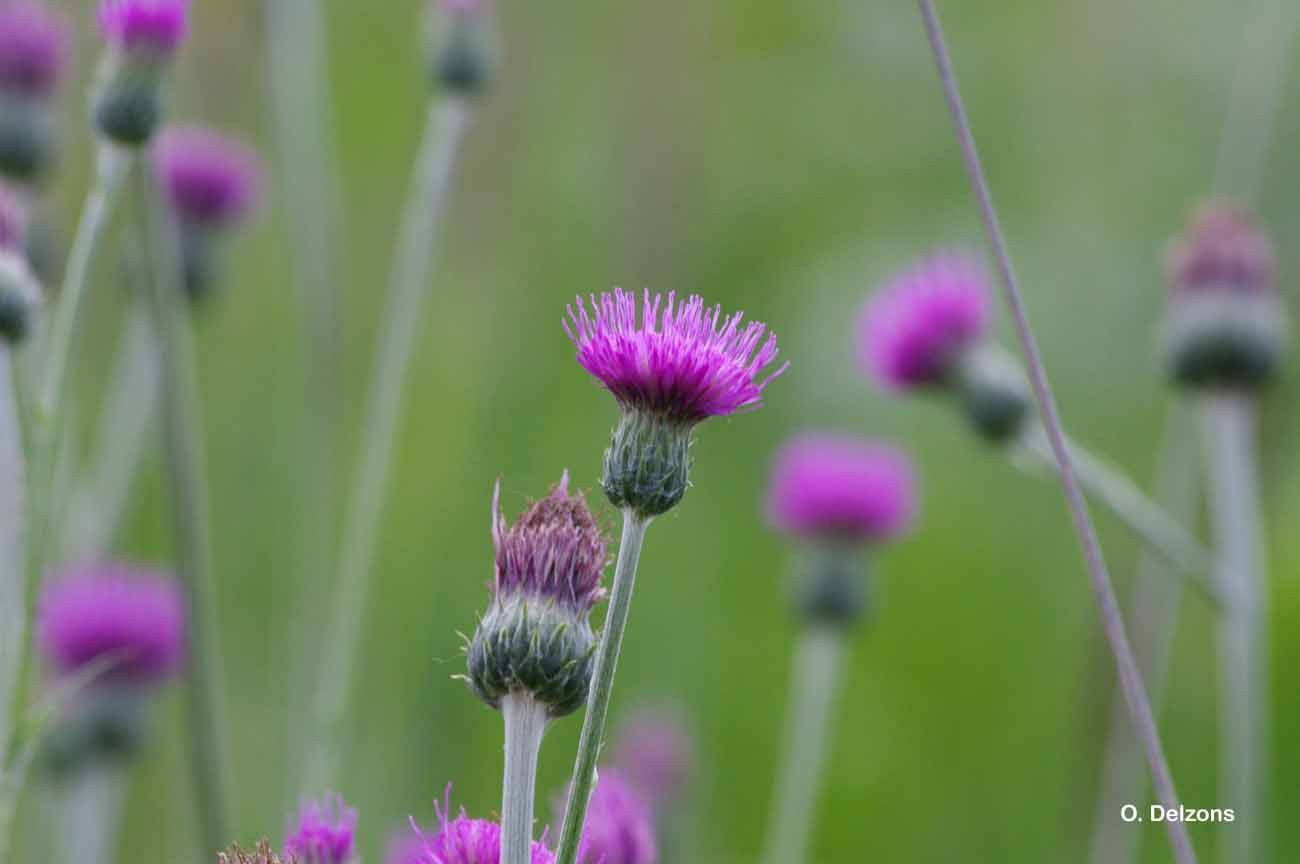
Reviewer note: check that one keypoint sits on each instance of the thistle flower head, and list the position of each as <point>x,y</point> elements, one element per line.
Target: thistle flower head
<point>620,825</point>
<point>33,48</point>
<point>653,752</point>
<point>1222,250</point>
<point>13,222</point>
<point>211,181</point>
<point>676,360</point>
<point>407,845</point>
<point>94,611</point>
<point>154,27</point>
<point>913,332</point>
<point>462,840</point>
<point>323,833</point>
<point>840,487</point>
<point>263,854</point>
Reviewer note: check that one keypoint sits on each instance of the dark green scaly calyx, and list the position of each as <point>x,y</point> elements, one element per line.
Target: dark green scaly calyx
<point>108,724</point>
<point>536,646</point>
<point>647,465</point>
<point>20,298</point>
<point>830,587</point>
<point>463,56</point>
<point>1226,340</point>
<point>993,393</point>
<point>128,101</point>
<point>27,138</point>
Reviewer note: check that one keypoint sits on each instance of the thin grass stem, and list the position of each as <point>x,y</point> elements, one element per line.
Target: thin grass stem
<point>13,556</point>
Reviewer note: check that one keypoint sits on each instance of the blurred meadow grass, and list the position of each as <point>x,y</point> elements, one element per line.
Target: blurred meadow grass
<point>778,158</point>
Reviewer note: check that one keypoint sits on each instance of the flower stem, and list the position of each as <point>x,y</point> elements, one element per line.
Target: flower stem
<point>525,721</point>
<point>407,296</point>
<point>1153,616</point>
<point>13,611</point>
<point>1228,425</point>
<point>602,686</point>
<point>92,809</point>
<point>814,681</point>
<point>183,451</point>
<point>1108,607</point>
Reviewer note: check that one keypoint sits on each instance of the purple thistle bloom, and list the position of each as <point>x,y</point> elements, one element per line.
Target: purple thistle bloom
<point>619,827</point>
<point>915,329</point>
<point>555,551</point>
<point>154,26</point>
<point>463,840</point>
<point>33,48</point>
<point>653,752</point>
<point>211,181</point>
<point>91,611</point>
<point>830,486</point>
<point>324,833</point>
<point>13,221</point>
<point>1222,251</point>
<point>407,846</point>
<point>680,361</point>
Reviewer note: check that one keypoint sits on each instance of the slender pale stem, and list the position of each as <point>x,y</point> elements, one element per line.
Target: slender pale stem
<point>406,302</point>
<point>1108,607</point>
<point>1157,529</point>
<point>91,805</point>
<point>814,682</point>
<point>1228,424</point>
<point>525,721</point>
<point>602,686</point>
<point>183,450</point>
<point>1153,616</point>
<point>13,611</point>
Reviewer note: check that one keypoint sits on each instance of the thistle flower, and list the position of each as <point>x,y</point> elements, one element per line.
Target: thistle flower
<point>463,840</point>
<point>620,825</point>
<point>324,833</point>
<point>462,54</point>
<point>653,751</point>
<point>536,637</point>
<point>33,54</point>
<point>1225,322</point>
<point>407,845</point>
<point>671,367</point>
<point>263,854</point>
<point>143,36</point>
<point>210,183</point>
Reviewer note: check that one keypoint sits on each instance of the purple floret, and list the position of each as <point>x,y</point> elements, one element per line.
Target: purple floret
<point>155,26</point>
<point>210,180</point>
<point>407,846</point>
<point>92,611</point>
<point>916,328</point>
<point>678,360</point>
<point>556,550</point>
<point>323,833</point>
<point>1222,250</point>
<point>33,48</point>
<point>828,486</point>
<point>463,840</point>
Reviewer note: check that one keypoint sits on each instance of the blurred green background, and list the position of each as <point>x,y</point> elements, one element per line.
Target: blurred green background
<point>779,158</point>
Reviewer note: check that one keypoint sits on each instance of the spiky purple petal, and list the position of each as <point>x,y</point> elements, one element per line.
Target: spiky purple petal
<point>462,840</point>
<point>323,833</point>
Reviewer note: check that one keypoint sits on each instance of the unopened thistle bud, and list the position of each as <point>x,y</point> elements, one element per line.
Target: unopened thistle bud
<point>838,495</point>
<point>20,296</point>
<point>131,620</point>
<point>927,330</point>
<point>263,854</point>
<point>142,36</point>
<point>323,833</point>
<point>463,51</point>
<point>671,367</point>
<point>1225,324</point>
<point>462,840</point>
<point>33,52</point>
<point>210,183</point>
<point>536,637</point>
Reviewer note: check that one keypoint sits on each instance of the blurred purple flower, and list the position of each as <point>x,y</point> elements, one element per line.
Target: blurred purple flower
<point>653,752</point>
<point>463,840</point>
<point>154,26</point>
<point>407,845</point>
<point>13,221</point>
<point>620,825</point>
<point>679,361</point>
<point>841,487</point>
<point>91,611</point>
<point>324,833</point>
<point>461,7</point>
<point>33,48</point>
<point>1222,250</point>
<point>915,329</point>
<point>211,181</point>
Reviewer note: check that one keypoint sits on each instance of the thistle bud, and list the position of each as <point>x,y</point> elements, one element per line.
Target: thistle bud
<point>993,393</point>
<point>33,50</point>
<point>1225,324</point>
<point>143,36</point>
<point>462,54</point>
<point>20,297</point>
<point>536,637</point>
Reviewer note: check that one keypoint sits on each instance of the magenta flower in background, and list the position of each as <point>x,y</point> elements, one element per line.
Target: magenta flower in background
<point>324,833</point>
<point>211,181</point>
<point>156,27</point>
<point>653,752</point>
<point>1222,250</point>
<point>33,48</point>
<point>406,845</point>
<point>914,330</point>
<point>841,487</point>
<point>463,840</point>
<point>620,825</point>
<point>13,221</point>
<point>91,611</point>
<point>678,360</point>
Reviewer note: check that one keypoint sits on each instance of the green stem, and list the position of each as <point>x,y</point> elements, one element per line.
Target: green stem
<point>813,683</point>
<point>602,686</point>
<point>406,302</point>
<point>525,724</point>
<point>13,611</point>
<point>183,448</point>
<point>92,809</point>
